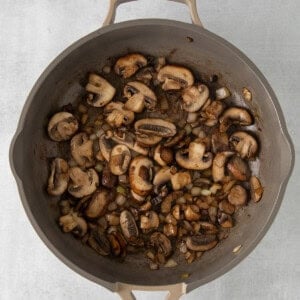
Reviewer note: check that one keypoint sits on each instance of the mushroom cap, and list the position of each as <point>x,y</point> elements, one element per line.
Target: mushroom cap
<point>82,150</point>
<point>105,145</point>
<point>194,97</point>
<point>175,77</point>
<point>196,159</point>
<point>235,115</point>
<point>59,177</point>
<point>140,175</point>
<point>162,176</point>
<point>218,165</point>
<point>139,95</point>
<point>128,65</point>
<point>117,115</point>
<point>62,126</point>
<point>156,127</point>
<point>162,155</point>
<point>244,143</point>
<point>83,183</point>
<point>102,91</point>
<point>119,159</point>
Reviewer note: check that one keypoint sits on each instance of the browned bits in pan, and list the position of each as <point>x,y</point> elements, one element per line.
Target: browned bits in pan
<point>158,162</point>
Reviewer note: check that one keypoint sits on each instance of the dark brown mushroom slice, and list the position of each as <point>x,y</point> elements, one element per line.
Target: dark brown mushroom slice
<point>201,242</point>
<point>161,243</point>
<point>99,242</point>
<point>163,155</point>
<point>114,245</point>
<point>219,142</point>
<point>98,204</point>
<point>128,65</point>
<point>238,169</point>
<point>62,126</point>
<point>156,127</point>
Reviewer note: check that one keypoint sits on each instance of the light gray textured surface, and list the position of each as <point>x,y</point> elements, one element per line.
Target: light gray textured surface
<point>34,32</point>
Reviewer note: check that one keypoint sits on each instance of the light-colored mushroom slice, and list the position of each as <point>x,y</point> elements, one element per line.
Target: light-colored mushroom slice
<point>101,91</point>
<point>175,77</point>
<point>194,97</point>
<point>156,127</point>
<point>149,221</point>
<point>197,158</point>
<point>128,226</point>
<point>244,143</point>
<point>238,168</point>
<point>162,176</point>
<point>62,126</point>
<point>82,150</point>
<point>117,115</point>
<point>168,200</point>
<point>235,115</point>
<point>98,204</point>
<point>139,96</point>
<point>237,196</point>
<point>148,140</point>
<point>201,242</point>
<point>59,177</point>
<point>105,145</point>
<point>73,223</point>
<point>161,243</point>
<point>162,155</point>
<point>83,183</point>
<point>119,159</point>
<point>256,189</point>
<point>222,93</point>
<point>192,213</point>
<point>218,165</point>
<point>140,175</point>
<point>129,140</point>
<point>180,180</point>
<point>128,65</point>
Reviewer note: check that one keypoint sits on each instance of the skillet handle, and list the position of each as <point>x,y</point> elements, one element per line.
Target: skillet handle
<point>113,5</point>
<point>175,291</point>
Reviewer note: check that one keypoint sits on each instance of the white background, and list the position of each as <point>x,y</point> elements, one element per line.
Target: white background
<point>33,32</point>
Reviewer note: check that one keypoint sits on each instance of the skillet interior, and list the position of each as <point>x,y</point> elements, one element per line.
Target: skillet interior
<point>60,84</point>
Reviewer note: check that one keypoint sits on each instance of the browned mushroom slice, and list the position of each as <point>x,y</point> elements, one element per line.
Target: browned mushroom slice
<point>156,127</point>
<point>225,220</point>
<point>105,145</point>
<point>99,242</point>
<point>172,141</point>
<point>101,91</point>
<point>117,115</point>
<point>140,175</point>
<point>211,113</point>
<point>108,179</point>
<point>139,96</point>
<point>218,165</point>
<point>62,126</point>
<point>236,116</point>
<point>196,159</point>
<point>149,221</point>
<point>175,77</point>
<point>168,200</point>
<point>180,180</point>
<point>170,230</point>
<point>148,140</point>
<point>161,243</point>
<point>238,168</point>
<point>256,189</point>
<point>237,196</point>
<point>194,97</point>
<point>192,213</point>
<point>162,155</point>
<point>128,65</point>
<point>59,177</point>
<point>119,159</point>
<point>83,183</point>
<point>82,150</point>
<point>73,223</point>
<point>201,242</point>
<point>128,226</point>
<point>219,141</point>
<point>244,143</point>
<point>98,204</point>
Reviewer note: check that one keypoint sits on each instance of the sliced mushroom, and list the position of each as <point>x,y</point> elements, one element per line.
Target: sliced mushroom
<point>128,65</point>
<point>105,145</point>
<point>236,116</point>
<point>170,230</point>
<point>162,155</point>
<point>194,97</point>
<point>148,140</point>
<point>72,222</point>
<point>117,115</point>
<point>62,126</point>
<point>114,244</point>
<point>59,177</point>
<point>140,175</point>
<point>119,159</point>
<point>175,77</point>
<point>218,165</point>
<point>82,150</point>
<point>238,168</point>
<point>139,96</point>
<point>219,142</point>
<point>226,207</point>
<point>237,196</point>
<point>201,242</point>
<point>99,242</point>
<point>128,226</point>
<point>180,180</point>
<point>129,140</point>
<point>211,113</point>
<point>191,213</point>
<point>244,143</point>
<point>256,189</point>
<point>168,200</point>
<point>225,220</point>
<point>149,221</point>
<point>83,183</point>
<point>101,91</point>
<point>156,127</point>
<point>172,141</point>
<point>196,159</point>
<point>161,243</point>
<point>162,176</point>
<point>108,179</point>
<point>98,204</point>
